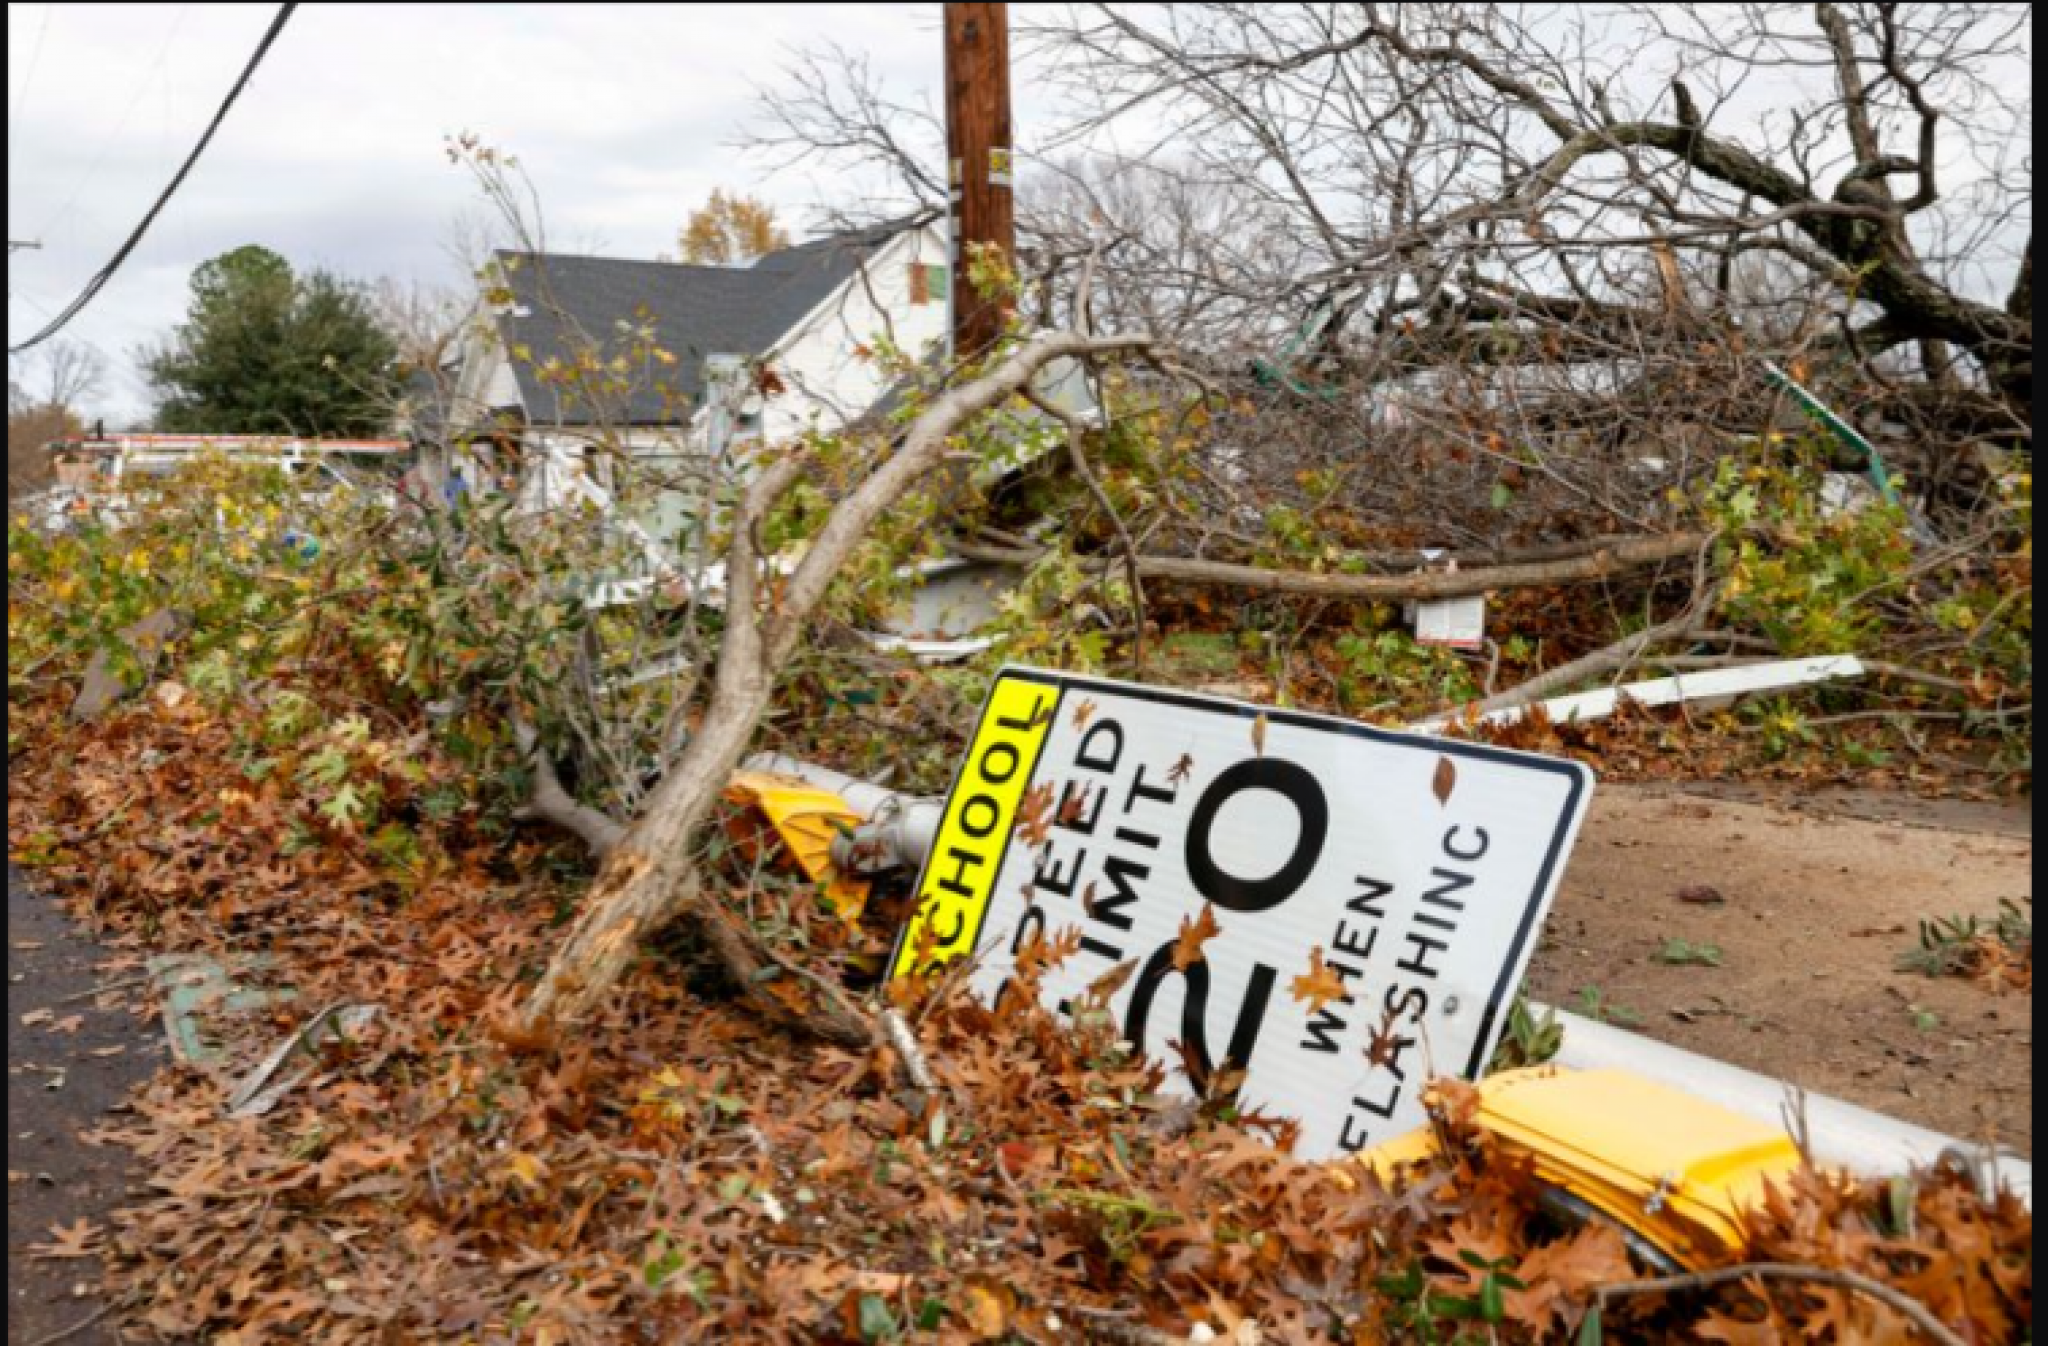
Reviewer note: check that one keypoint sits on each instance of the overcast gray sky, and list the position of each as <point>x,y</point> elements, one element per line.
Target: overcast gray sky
<point>624,115</point>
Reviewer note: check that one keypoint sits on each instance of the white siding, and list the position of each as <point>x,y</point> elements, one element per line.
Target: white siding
<point>826,378</point>
<point>828,381</point>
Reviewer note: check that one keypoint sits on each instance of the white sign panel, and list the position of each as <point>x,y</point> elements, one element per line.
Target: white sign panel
<point>1416,871</point>
<point>1457,622</point>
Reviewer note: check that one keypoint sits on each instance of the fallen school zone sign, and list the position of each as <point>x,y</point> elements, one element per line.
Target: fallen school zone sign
<point>1419,871</point>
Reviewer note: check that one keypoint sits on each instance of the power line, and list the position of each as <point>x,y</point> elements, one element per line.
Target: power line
<point>106,273</point>
<point>107,144</point>
<point>35,56</point>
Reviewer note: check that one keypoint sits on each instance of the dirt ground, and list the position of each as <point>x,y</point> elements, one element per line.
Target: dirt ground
<point>1823,892</point>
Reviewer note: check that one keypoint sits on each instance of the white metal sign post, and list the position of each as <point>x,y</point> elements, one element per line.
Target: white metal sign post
<point>1417,871</point>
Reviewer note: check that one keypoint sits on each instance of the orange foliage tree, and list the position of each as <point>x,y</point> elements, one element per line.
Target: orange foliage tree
<point>731,230</point>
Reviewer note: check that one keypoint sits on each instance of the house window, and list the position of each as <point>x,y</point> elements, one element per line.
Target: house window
<point>927,283</point>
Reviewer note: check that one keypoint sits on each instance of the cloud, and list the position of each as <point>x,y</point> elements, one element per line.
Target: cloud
<point>625,116</point>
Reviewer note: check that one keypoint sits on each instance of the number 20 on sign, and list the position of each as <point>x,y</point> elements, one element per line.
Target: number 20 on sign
<point>1415,871</point>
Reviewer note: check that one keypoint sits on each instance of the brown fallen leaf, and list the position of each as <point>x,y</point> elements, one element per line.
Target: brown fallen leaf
<point>1259,728</point>
<point>37,1018</point>
<point>1034,816</point>
<point>989,1308</point>
<point>72,1242</point>
<point>1083,713</point>
<point>1105,987</point>
<point>1702,895</point>
<point>1446,782</point>
<point>1321,986</point>
<point>1195,933</point>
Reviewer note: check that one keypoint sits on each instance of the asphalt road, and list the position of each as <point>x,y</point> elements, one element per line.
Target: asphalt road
<point>62,1078</point>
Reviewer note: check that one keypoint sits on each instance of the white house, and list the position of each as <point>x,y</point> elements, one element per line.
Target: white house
<point>684,366</point>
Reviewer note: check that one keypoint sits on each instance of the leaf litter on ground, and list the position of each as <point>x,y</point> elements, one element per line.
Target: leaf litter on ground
<point>677,1169</point>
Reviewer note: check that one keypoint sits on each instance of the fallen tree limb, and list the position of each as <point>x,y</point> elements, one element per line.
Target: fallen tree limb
<point>648,877</point>
<point>904,1039</point>
<point>1918,1314</point>
<point>1077,456</point>
<point>1615,658</point>
<point>746,959</point>
<point>833,1016</point>
<point>1901,673</point>
<point>552,803</point>
<point>1616,557</point>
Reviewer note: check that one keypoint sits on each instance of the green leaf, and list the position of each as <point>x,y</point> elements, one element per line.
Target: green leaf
<point>328,767</point>
<point>1503,495</point>
<point>346,808</point>
<point>877,1323</point>
<point>1592,1332</point>
<point>1493,1305</point>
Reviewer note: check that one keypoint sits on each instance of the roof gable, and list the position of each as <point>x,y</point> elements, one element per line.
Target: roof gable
<point>565,305</point>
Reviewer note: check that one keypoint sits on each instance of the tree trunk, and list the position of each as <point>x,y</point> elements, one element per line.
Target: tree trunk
<point>650,875</point>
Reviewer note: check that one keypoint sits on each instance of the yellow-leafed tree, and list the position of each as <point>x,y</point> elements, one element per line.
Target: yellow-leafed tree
<point>731,230</point>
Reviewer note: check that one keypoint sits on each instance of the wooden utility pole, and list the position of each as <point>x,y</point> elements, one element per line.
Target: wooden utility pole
<point>981,164</point>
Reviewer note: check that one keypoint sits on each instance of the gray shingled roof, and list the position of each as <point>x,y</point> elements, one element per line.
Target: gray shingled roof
<point>565,304</point>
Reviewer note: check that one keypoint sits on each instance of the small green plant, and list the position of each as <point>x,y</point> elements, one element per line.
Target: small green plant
<point>1394,666</point>
<point>1594,1004</point>
<point>1531,1039</point>
<point>878,1322</point>
<point>1123,1221</point>
<point>1684,953</point>
<point>1425,1309</point>
<point>1796,573</point>
<point>666,1261</point>
<point>1783,726</point>
<point>1970,946</point>
<point>1863,756</point>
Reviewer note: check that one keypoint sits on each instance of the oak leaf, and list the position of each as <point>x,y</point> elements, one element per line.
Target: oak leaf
<point>1741,1332</point>
<point>1321,986</point>
<point>1195,934</point>
<point>1104,988</point>
<point>1560,1274</point>
<point>1034,816</point>
<point>70,1242</point>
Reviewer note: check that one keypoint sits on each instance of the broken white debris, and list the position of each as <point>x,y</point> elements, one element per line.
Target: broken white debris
<point>1711,685</point>
<point>265,1087</point>
<point>933,651</point>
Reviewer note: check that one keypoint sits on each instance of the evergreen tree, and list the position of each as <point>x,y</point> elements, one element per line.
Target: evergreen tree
<point>263,351</point>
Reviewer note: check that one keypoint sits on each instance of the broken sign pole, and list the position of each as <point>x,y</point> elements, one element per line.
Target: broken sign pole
<point>981,165</point>
<point>1847,434</point>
